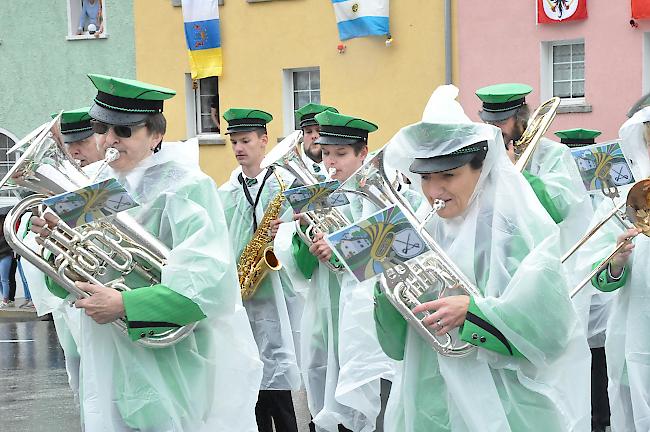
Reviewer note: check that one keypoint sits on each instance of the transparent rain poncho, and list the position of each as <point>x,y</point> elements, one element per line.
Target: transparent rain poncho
<point>209,380</point>
<point>341,360</point>
<point>274,311</point>
<point>627,345</point>
<point>508,246</point>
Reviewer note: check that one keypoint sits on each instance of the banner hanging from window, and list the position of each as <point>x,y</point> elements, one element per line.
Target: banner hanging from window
<point>203,37</point>
<point>359,18</point>
<point>641,9</point>
<point>554,11</point>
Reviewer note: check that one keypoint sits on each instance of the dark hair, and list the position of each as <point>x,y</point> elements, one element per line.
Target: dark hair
<point>358,146</point>
<point>260,132</point>
<point>477,160</point>
<point>156,123</point>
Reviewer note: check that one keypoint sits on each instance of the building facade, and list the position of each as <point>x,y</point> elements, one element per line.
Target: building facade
<point>45,61</point>
<point>599,66</point>
<point>278,55</point>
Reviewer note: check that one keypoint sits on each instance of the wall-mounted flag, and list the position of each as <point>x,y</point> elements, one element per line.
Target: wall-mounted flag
<point>359,18</point>
<point>554,11</point>
<point>641,9</point>
<point>203,37</point>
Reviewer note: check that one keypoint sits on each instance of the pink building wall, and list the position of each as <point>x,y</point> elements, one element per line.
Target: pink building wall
<point>499,41</point>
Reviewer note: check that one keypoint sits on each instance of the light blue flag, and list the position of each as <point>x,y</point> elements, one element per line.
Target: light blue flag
<point>359,18</point>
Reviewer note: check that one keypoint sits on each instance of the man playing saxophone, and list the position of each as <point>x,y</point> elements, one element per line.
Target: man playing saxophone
<point>273,308</point>
<point>523,323</point>
<point>187,386</point>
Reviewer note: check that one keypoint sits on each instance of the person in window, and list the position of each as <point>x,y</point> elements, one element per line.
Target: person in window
<point>209,379</point>
<point>530,368</point>
<point>91,14</point>
<point>214,112</point>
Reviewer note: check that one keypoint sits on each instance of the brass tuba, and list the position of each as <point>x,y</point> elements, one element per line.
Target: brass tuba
<point>115,245</point>
<point>258,257</point>
<point>539,122</point>
<point>432,273</point>
<point>287,155</point>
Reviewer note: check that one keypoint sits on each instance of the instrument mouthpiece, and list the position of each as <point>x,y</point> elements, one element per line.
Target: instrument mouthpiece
<point>331,171</point>
<point>112,154</point>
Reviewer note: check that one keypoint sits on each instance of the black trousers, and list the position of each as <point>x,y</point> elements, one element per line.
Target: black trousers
<point>12,279</point>
<point>275,406</point>
<point>599,398</point>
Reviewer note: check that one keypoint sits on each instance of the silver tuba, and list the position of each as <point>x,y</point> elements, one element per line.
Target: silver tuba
<point>286,155</point>
<point>431,274</point>
<point>93,252</point>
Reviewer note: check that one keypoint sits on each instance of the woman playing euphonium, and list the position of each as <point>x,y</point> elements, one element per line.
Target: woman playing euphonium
<point>530,371</point>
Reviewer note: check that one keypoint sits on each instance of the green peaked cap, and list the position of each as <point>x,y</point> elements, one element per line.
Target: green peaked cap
<point>123,101</point>
<point>340,129</point>
<point>434,136</point>
<point>305,115</point>
<point>246,119</point>
<point>501,101</point>
<point>578,137</point>
<point>75,124</point>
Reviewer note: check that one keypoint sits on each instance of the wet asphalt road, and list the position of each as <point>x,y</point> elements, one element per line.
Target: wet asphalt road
<point>34,391</point>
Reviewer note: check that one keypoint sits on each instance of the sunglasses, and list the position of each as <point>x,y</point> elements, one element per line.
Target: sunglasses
<point>121,131</point>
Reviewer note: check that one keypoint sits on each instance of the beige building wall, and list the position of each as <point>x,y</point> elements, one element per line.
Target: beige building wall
<point>385,85</point>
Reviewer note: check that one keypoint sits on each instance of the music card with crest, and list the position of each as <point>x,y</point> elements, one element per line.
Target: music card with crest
<point>602,166</point>
<point>315,197</point>
<point>91,203</point>
<point>377,243</point>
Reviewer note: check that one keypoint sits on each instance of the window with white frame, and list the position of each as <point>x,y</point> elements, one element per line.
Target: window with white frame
<point>7,141</point>
<point>86,19</point>
<point>568,70</point>
<point>301,86</point>
<point>206,103</point>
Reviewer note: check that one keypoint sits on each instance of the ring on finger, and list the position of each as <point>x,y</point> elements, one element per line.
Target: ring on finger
<point>440,324</point>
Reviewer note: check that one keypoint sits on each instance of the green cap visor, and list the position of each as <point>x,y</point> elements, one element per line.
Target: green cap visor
<point>450,161</point>
<point>578,137</point>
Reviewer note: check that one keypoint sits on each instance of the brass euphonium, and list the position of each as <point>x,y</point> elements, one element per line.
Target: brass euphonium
<point>539,122</point>
<point>92,252</point>
<point>287,155</point>
<point>431,274</point>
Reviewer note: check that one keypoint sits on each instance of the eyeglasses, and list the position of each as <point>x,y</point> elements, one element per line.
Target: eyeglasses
<point>119,130</point>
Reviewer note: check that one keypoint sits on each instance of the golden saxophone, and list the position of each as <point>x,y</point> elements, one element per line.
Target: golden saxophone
<point>258,257</point>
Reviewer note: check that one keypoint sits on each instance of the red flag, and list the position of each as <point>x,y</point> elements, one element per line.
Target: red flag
<point>554,11</point>
<point>640,9</point>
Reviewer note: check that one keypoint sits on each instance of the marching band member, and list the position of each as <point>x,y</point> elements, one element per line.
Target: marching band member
<point>626,346</point>
<point>529,371</point>
<point>187,386</point>
<point>312,154</point>
<point>599,305</point>
<point>274,310</point>
<point>342,362</point>
<point>551,173</point>
<point>81,144</point>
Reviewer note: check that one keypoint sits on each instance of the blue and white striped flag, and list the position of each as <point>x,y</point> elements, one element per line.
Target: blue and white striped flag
<point>359,18</point>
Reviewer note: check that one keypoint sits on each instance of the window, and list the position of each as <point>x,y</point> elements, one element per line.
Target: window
<point>569,70</point>
<point>563,71</point>
<point>302,86</point>
<point>206,97</point>
<point>7,141</point>
<point>86,19</point>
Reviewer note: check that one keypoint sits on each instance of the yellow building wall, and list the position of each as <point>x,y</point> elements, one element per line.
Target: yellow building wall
<point>388,86</point>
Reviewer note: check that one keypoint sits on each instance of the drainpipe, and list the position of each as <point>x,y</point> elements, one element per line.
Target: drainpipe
<point>448,54</point>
